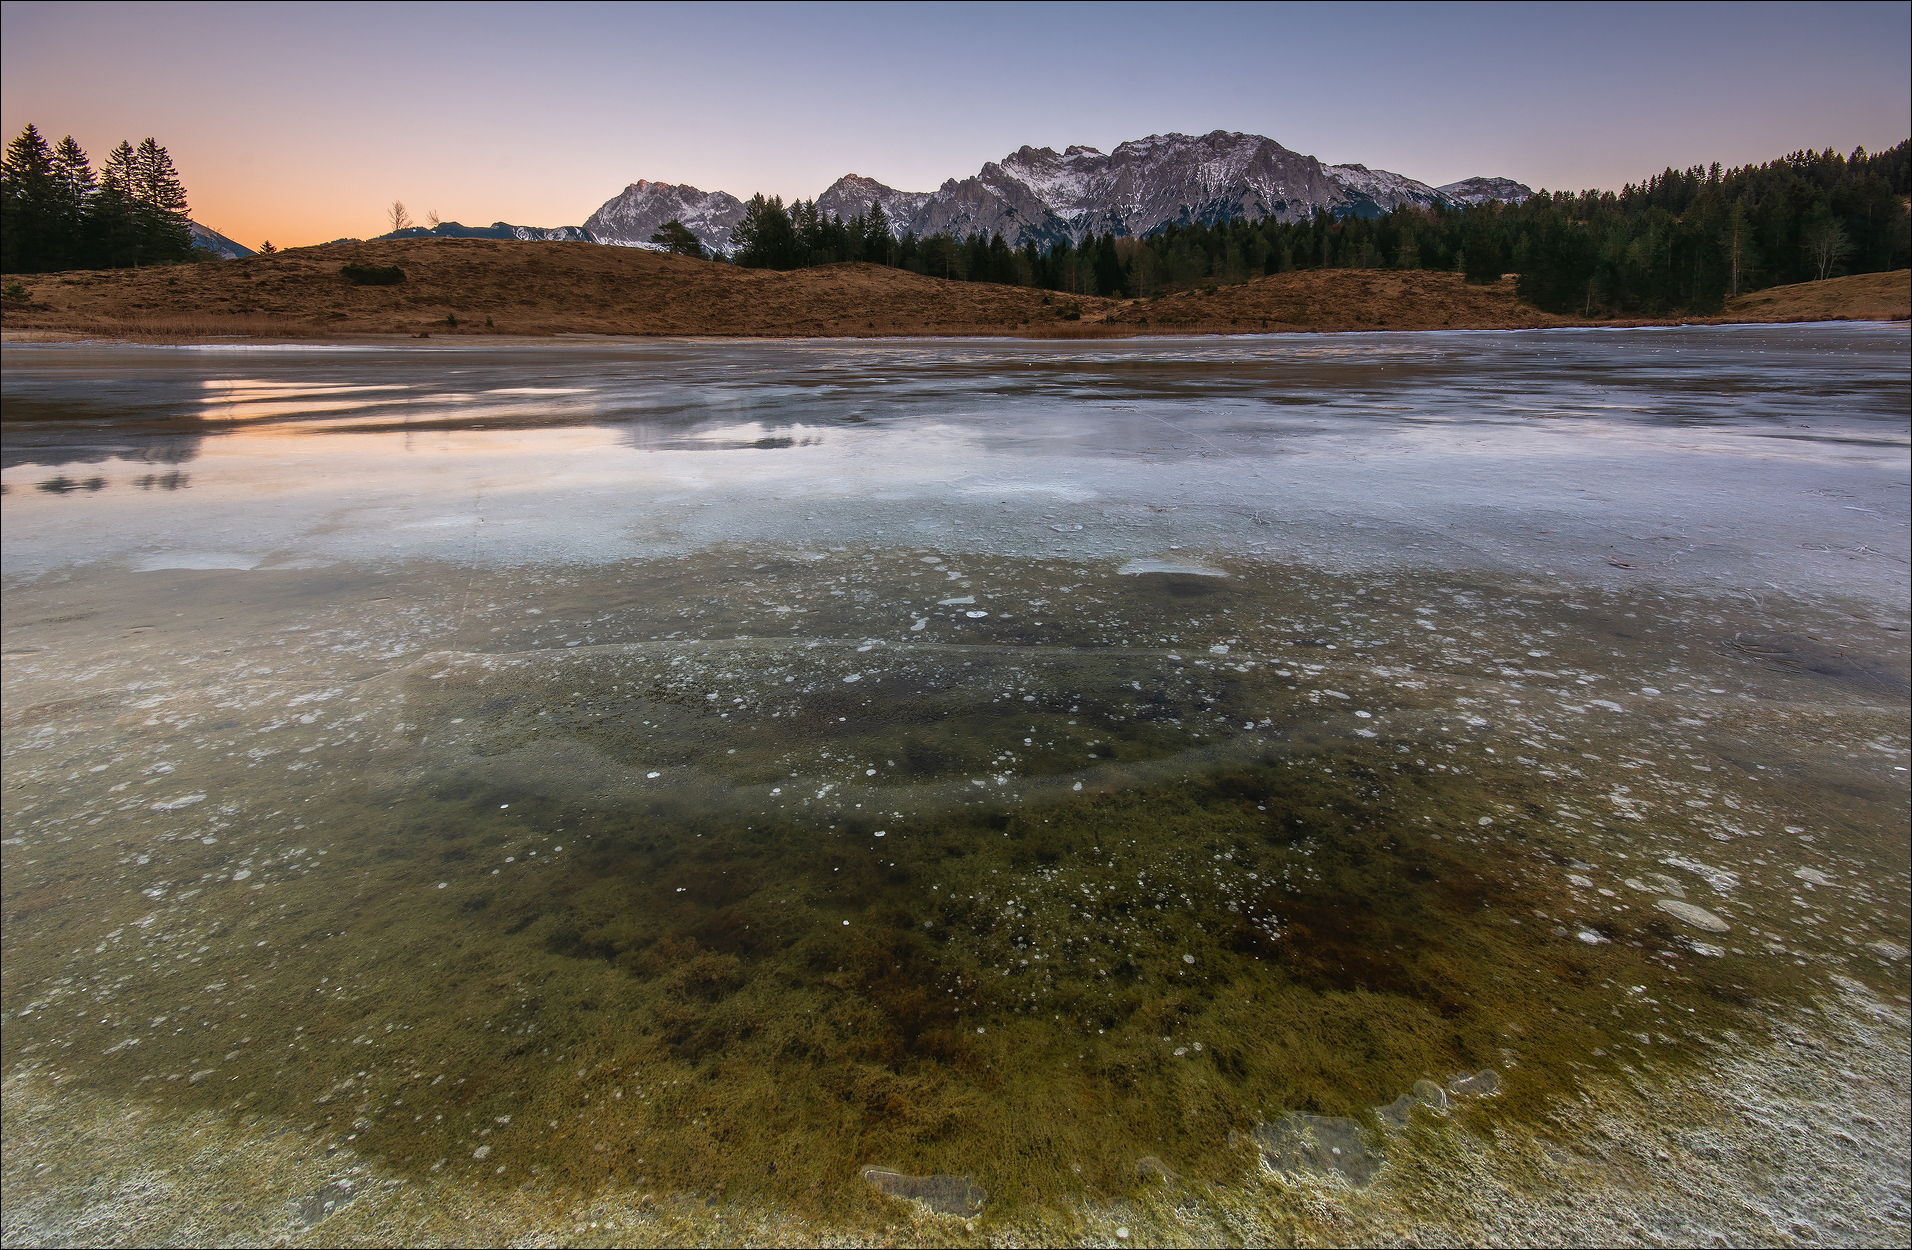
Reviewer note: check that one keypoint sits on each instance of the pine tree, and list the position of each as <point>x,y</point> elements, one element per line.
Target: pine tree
<point>765,239</point>
<point>1408,255</point>
<point>73,187</point>
<point>1107,266</point>
<point>807,240</point>
<point>29,225</point>
<point>675,237</point>
<point>876,234</point>
<point>1485,260</point>
<point>165,228</point>
<point>113,222</point>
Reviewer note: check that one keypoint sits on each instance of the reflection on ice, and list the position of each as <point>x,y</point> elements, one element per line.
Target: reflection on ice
<point>1355,454</point>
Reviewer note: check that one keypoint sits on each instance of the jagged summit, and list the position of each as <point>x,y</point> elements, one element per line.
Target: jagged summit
<point>633,216</point>
<point>1481,190</point>
<point>1042,196</point>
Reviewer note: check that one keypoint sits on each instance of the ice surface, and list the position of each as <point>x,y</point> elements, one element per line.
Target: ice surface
<point>1352,451</point>
<point>354,658</point>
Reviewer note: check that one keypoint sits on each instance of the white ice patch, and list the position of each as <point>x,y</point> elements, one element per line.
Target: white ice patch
<point>1720,879</point>
<point>1186,568</point>
<point>173,805</point>
<point>195,560</point>
<point>1698,917</point>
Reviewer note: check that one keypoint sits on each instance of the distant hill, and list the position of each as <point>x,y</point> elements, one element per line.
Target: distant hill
<point>212,241</point>
<point>1050,197</point>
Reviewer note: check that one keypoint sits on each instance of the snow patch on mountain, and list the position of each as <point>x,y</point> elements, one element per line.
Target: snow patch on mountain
<point>1376,192</point>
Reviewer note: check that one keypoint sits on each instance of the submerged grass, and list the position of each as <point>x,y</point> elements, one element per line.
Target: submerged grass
<point>1061,912</point>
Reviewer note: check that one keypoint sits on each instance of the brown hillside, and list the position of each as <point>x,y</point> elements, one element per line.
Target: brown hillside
<point>513,288</point>
<point>1861,297</point>
<point>1338,299</point>
<point>524,288</point>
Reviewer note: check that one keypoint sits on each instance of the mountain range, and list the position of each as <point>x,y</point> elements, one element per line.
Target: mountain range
<point>1050,197</point>
<point>496,230</point>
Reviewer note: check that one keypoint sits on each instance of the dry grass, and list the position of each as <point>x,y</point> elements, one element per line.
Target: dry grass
<point>492,287</point>
<point>1862,297</point>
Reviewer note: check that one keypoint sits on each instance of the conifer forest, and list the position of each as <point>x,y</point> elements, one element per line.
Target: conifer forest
<point>59,214</point>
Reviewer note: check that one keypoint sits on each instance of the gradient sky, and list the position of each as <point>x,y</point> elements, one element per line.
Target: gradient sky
<point>301,122</point>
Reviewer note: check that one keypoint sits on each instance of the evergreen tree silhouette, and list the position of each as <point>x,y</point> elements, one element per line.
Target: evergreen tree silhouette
<point>29,204</point>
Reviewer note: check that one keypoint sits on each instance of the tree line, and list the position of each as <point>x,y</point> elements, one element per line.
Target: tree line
<point>59,214</point>
<point>1684,240</point>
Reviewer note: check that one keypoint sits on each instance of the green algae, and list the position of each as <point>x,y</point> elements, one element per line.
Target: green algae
<point>521,955</point>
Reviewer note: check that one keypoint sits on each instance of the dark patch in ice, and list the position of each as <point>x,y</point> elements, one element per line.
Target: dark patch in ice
<point>1318,1145</point>
<point>942,1193</point>
<point>1794,653</point>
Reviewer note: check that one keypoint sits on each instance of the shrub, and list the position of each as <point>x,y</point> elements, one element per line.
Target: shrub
<point>372,275</point>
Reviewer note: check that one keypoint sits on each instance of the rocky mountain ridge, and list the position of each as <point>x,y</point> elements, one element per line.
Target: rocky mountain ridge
<point>496,230</point>
<point>1481,190</point>
<point>1050,197</point>
<point>634,214</point>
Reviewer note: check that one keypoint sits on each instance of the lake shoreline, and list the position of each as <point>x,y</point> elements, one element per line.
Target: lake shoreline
<point>566,338</point>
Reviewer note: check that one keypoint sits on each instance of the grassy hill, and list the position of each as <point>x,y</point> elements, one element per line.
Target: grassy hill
<point>484,286</point>
<point>1862,297</point>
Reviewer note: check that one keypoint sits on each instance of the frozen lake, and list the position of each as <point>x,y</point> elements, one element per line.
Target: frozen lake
<point>629,789</point>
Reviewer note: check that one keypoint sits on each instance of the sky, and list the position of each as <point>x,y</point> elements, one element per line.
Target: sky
<point>301,123</point>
